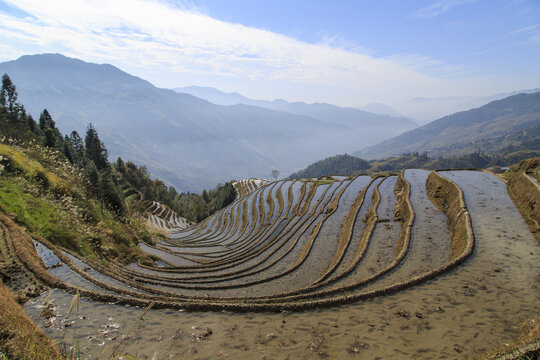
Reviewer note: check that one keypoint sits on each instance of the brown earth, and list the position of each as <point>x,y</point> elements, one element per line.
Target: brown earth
<point>524,190</point>
<point>20,338</point>
<point>449,199</point>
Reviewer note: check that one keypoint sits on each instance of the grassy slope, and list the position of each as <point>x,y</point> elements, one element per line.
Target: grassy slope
<point>43,193</point>
<point>39,191</point>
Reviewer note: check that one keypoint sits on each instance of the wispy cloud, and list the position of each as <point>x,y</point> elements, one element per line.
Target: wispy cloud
<point>429,65</point>
<point>154,38</point>
<point>533,40</point>
<point>438,8</point>
<point>523,29</point>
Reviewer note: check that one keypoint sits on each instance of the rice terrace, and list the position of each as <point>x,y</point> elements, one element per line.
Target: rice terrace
<point>269,180</point>
<point>407,265</point>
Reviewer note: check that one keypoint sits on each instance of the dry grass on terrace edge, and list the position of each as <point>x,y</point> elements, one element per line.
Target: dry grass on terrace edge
<point>20,338</point>
<point>447,197</point>
<point>403,210</point>
<point>525,347</point>
<point>525,193</point>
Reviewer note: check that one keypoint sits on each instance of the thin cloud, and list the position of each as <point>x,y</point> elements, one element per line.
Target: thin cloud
<point>438,8</point>
<point>173,43</point>
<point>533,40</point>
<point>526,28</point>
<point>518,32</point>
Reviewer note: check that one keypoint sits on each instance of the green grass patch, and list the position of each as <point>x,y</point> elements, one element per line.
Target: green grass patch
<point>38,215</point>
<point>30,164</point>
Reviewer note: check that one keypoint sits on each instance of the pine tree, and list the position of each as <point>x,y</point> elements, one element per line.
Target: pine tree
<point>46,121</point>
<point>95,149</point>
<point>50,138</point>
<point>8,95</point>
<point>92,175</point>
<point>32,125</point>
<point>79,152</point>
<point>110,194</point>
<point>68,150</point>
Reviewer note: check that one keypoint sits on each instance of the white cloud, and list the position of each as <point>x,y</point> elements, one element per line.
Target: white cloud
<point>167,45</point>
<point>439,7</point>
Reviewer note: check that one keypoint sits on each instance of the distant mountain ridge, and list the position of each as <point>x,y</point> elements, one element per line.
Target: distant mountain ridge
<point>184,140</point>
<point>466,131</point>
<point>381,109</point>
<point>325,112</point>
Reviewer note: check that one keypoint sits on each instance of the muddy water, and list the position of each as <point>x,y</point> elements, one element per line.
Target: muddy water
<point>79,264</point>
<point>430,241</point>
<point>358,229</point>
<point>326,243</point>
<point>62,272</point>
<point>381,247</point>
<point>457,315</point>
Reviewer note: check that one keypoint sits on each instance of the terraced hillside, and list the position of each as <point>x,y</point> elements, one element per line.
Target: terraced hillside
<point>164,218</point>
<point>432,264</point>
<point>245,186</point>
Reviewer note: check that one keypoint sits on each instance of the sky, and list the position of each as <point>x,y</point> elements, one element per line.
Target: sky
<point>345,52</point>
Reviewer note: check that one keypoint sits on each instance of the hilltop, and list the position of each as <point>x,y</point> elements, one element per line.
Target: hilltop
<point>334,165</point>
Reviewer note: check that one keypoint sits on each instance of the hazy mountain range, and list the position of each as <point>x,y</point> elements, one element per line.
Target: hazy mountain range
<point>419,110</point>
<point>325,112</point>
<point>189,142</point>
<point>486,128</point>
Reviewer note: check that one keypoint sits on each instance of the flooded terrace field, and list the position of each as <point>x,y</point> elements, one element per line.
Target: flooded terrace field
<point>305,269</point>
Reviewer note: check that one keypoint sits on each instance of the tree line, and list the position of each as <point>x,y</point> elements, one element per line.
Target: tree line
<point>194,207</point>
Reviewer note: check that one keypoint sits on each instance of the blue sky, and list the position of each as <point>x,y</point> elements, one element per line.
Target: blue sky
<point>467,35</point>
<point>343,52</point>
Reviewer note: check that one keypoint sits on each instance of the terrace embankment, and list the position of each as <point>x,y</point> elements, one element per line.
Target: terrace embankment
<point>20,338</point>
<point>524,190</point>
<point>448,197</point>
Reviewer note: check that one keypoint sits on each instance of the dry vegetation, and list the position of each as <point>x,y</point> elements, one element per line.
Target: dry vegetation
<point>522,183</point>
<point>20,338</point>
<point>449,199</point>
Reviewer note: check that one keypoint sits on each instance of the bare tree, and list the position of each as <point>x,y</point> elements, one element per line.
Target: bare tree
<point>275,174</point>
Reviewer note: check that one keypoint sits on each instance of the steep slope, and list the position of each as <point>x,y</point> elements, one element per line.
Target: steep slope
<point>184,140</point>
<point>466,131</point>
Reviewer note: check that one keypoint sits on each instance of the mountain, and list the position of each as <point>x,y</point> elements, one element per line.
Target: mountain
<point>424,110</point>
<point>184,140</point>
<point>325,112</point>
<point>482,129</point>
<point>218,97</point>
<point>344,165</point>
<point>381,109</point>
